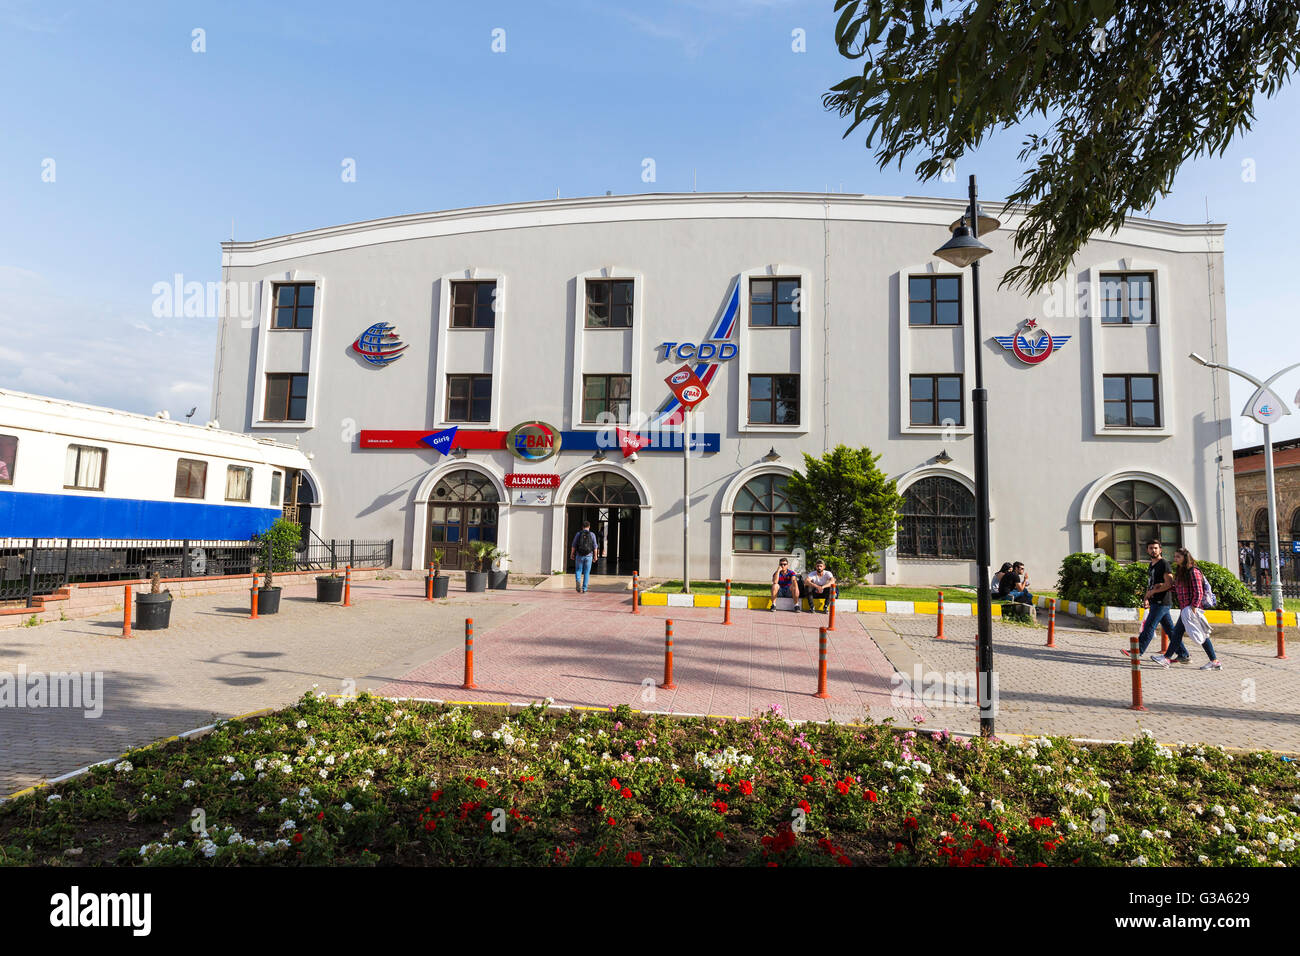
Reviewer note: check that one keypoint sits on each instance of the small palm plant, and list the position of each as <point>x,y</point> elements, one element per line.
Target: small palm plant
<point>435,558</point>
<point>483,552</point>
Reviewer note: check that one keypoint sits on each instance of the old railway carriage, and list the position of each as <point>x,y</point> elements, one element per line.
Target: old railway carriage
<point>500,373</point>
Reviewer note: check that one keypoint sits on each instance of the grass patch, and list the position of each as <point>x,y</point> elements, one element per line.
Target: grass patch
<point>373,782</point>
<point>863,593</point>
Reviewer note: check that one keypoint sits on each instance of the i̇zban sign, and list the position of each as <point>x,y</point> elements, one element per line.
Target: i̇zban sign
<point>533,441</point>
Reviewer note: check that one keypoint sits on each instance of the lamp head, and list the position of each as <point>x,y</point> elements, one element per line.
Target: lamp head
<point>962,249</point>
<point>986,222</point>
<point>1200,359</point>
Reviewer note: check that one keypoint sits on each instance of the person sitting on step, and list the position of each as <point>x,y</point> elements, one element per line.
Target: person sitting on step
<point>819,584</point>
<point>785,583</point>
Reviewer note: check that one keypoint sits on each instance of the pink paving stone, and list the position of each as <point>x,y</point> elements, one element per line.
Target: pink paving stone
<point>591,650</point>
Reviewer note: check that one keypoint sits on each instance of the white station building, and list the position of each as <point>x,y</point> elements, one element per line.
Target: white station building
<point>476,374</point>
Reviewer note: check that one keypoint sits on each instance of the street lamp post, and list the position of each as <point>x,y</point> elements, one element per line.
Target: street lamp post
<point>1265,407</point>
<point>965,249</point>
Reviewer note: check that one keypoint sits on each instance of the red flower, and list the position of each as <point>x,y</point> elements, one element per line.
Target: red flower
<point>626,794</point>
<point>746,787</point>
<point>1039,822</point>
<point>842,786</point>
<point>612,822</point>
<point>911,823</point>
<point>431,825</point>
<point>825,762</point>
<point>297,838</point>
<point>615,785</point>
<point>807,778</point>
<point>720,806</point>
<point>321,815</point>
<point>870,795</point>
<point>719,834</point>
<point>435,795</point>
<point>805,806</point>
<point>481,783</point>
<point>634,858</point>
<point>724,787</point>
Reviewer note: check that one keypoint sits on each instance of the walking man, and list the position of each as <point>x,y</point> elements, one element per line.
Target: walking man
<point>785,583</point>
<point>1160,588</point>
<point>584,549</point>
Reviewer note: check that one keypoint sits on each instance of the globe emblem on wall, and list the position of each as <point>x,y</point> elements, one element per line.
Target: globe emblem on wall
<point>379,344</point>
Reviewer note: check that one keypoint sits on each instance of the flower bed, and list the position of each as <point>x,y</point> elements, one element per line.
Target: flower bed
<point>371,781</point>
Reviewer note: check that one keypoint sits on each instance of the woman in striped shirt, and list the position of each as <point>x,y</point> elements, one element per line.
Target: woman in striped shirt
<point>1189,592</point>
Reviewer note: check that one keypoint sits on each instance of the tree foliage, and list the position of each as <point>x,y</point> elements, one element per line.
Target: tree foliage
<point>847,511</point>
<point>1126,91</point>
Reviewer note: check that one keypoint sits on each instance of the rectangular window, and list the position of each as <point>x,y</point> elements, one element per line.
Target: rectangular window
<point>773,303</point>
<point>294,304</point>
<point>611,394</point>
<point>469,398</point>
<point>934,300</point>
<point>8,458</point>
<point>1131,401</point>
<point>84,470</point>
<point>239,483</point>
<point>191,478</point>
<point>774,399</point>
<point>276,479</point>
<point>936,400</point>
<point>609,303</point>
<point>1128,298</point>
<point>473,305</point>
<point>286,398</point>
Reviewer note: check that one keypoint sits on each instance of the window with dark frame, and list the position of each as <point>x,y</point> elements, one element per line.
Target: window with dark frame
<point>1128,298</point>
<point>934,300</point>
<point>763,517</point>
<point>472,305</point>
<point>277,478</point>
<point>191,478</point>
<point>937,520</point>
<point>294,304</point>
<point>1130,401</point>
<point>8,458</point>
<point>1129,514</point>
<point>469,398</point>
<point>609,303</point>
<point>774,399</point>
<point>774,303</point>
<point>286,397</point>
<point>239,483</point>
<point>606,394</point>
<point>85,468</point>
<point>936,400</point>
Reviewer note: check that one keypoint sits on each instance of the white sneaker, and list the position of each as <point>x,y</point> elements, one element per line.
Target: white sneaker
<point>1160,659</point>
<point>1212,666</point>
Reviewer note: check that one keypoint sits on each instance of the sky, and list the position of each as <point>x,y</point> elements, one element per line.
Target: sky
<point>133,145</point>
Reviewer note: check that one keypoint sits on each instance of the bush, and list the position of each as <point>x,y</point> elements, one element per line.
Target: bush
<point>1230,593</point>
<point>277,548</point>
<point>1096,581</point>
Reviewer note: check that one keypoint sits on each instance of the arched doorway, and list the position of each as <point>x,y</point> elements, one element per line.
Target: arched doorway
<point>462,510</point>
<point>611,503</point>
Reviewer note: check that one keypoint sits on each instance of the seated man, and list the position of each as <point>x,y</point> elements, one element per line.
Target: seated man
<point>819,585</point>
<point>1015,585</point>
<point>785,583</point>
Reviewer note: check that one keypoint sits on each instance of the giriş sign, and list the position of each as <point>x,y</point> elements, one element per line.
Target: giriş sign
<point>533,441</point>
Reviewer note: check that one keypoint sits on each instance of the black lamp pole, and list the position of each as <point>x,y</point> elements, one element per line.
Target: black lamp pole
<point>980,410</point>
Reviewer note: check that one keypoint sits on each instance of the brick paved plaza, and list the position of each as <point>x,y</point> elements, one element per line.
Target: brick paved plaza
<point>532,644</point>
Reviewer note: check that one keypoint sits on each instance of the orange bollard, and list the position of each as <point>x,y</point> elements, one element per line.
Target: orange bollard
<point>1281,636</point>
<point>1136,668</point>
<point>126,613</point>
<point>428,584</point>
<point>469,656</point>
<point>1051,622</point>
<point>726,604</point>
<point>821,664</point>
<point>1164,640</point>
<point>939,636</point>
<point>253,611</point>
<point>830,611</point>
<point>636,594</point>
<point>347,586</point>
<point>668,656</point>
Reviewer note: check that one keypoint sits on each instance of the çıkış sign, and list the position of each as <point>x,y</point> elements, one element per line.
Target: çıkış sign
<point>703,351</point>
<point>533,441</point>
<point>516,479</point>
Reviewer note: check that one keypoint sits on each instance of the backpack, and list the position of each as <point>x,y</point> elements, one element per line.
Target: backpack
<point>1210,600</point>
<point>585,543</point>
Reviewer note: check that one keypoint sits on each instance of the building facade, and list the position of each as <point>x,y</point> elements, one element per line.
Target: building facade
<point>809,321</point>
<point>1252,505</point>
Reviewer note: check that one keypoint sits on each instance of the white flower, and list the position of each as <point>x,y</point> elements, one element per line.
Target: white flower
<point>1230,828</point>
<point>234,838</point>
<point>237,776</point>
<point>1270,837</point>
<point>123,766</point>
<point>1286,845</point>
<point>478,734</point>
<point>1147,835</point>
<point>228,759</point>
<point>1241,850</point>
<point>997,806</point>
<point>187,784</point>
<point>347,808</point>
<point>301,725</point>
<point>288,825</point>
<point>1202,858</point>
<point>52,797</point>
<point>1138,861</point>
<point>1218,810</point>
<point>1111,839</point>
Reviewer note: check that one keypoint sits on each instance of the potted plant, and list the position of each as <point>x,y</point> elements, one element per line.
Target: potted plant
<point>329,588</point>
<point>477,579</point>
<point>278,544</point>
<point>499,576</point>
<point>153,611</point>
<point>440,580</point>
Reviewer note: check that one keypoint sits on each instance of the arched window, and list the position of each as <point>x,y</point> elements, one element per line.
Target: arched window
<point>1295,524</point>
<point>1261,527</point>
<point>465,486</point>
<point>762,517</point>
<point>1128,515</point>
<point>603,488</point>
<point>937,520</point>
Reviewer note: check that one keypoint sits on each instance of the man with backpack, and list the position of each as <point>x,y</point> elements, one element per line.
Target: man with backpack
<point>584,549</point>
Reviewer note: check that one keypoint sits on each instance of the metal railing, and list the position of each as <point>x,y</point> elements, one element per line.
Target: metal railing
<point>36,566</point>
<point>1286,567</point>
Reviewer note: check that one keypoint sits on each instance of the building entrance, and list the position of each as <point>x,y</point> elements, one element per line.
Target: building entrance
<point>611,503</point>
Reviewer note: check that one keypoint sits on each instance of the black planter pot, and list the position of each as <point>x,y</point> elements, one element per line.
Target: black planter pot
<point>440,582</point>
<point>268,600</point>
<point>498,580</point>
<point>329,588</point>
<point>153,612</point>
<point>476,581</point>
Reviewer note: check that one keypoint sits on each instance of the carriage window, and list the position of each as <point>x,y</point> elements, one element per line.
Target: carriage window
<point>191,478</point>
<point>276,478</point>
<point>84,470</point>
<point>8,453</point>
<point>239,483</point>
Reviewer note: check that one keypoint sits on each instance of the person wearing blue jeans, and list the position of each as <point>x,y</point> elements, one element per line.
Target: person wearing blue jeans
<point>1160,588</point>
<point>584,549</point>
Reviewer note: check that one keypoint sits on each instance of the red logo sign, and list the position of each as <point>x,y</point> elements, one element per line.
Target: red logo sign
<point>688,388</point>
<point>630,442</point>
<point>524,480</point>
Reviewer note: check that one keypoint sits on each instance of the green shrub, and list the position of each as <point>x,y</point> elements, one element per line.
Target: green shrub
<point>1230,593</point>
<point>277,548</point>
<point>1096,581</point>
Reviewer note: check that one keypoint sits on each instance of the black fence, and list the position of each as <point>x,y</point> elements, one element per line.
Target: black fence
<point>1252,558</point>
<point>30,567</point>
